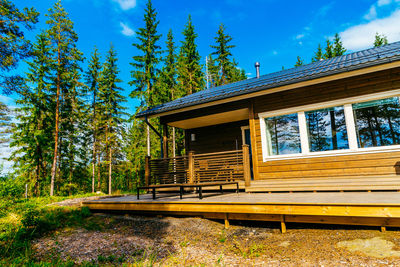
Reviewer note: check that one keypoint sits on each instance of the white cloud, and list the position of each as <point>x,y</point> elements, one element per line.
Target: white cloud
<point>126,4</point>
<point>384,2</point>
<point>299,36</point>
<point>126,30</point>
<point>371,13</point>
<point>362,36</point>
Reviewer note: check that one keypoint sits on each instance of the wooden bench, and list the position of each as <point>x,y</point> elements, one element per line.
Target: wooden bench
<point>198,186</point>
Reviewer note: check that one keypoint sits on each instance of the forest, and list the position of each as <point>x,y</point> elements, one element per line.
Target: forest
<point>71,132</point>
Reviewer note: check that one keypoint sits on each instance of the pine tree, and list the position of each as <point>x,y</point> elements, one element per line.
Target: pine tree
<point>145,65</point>
<point>338,48</point>
<point>328,50</point>
<point>32,135</point>
<point>65,60</point>
<point>92,82</point>
<point>190,76</point>
<point>112,111</point>
<point>13,44</point>
<point>299,62</point>
<point>318,54</point>
<point>380,40</point>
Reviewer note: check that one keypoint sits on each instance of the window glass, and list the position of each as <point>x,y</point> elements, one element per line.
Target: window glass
<point>283,135</point>
<point>327,129</point>
<point>377,122</point>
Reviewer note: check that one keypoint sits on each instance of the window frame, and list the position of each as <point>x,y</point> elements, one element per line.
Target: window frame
<point>304,139</point>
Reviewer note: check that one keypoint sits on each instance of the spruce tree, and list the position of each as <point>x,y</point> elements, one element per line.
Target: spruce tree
<point>190,75</point>
<point>328,50</point>
<point>380,40</point>
<point>212,72</point>
<point>111,109</point>
<point>5,123</point>
<point>227,70</point>
<point>66,57</point>
<point>299,62</point>
<point>13,44</point>
<point>145,64</point>
<point>223,54</point>
<point>92,76</point>
<point>32,135</point>
<point>318,54</point>
<point>338,48</point>
<point>166,84</point>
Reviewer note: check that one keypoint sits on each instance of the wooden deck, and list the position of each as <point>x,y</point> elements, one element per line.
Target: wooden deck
<point>350,208</point>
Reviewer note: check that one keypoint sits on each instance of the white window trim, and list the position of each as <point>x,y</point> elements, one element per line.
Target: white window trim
<point>350,126</point>
<point>243,128</point>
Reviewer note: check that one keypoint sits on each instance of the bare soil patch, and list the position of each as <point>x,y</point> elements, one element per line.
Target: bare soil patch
<point>168,241</point>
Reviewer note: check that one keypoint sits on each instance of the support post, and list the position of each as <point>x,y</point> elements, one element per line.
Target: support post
<point>246,165</point>
<point>383,228</point>
<point>226,220</point>
<point>191,167</point>
<point>173,143</point>
<point>148,140</point>
<point>165,141</point>
<point>283,224</point>
<point>147,171</point>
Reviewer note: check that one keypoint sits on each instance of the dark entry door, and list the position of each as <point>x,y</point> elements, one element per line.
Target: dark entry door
<point>247,141</point>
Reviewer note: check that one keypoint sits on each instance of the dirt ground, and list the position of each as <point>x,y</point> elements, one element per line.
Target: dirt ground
<point>168,241</point>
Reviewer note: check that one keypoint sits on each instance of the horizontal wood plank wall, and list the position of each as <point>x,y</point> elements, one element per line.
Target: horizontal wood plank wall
<point>320,170</point>
<point>217,138</point>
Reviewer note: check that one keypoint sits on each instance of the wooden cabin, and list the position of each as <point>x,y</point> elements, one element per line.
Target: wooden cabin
<point>332,125</point>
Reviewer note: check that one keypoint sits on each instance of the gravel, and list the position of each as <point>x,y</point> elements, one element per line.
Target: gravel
<point>166,241</point>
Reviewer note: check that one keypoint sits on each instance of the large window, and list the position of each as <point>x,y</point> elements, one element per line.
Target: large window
<point>377,122</point>
<point>283,135</point>
<point>350,125</point>
<point>327,129</point>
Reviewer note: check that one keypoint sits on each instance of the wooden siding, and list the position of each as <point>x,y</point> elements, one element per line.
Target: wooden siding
<point>217,138</point>
<point>318,171</point>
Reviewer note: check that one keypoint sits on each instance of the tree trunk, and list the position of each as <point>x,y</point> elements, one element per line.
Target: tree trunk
<point>57,120</point>
<point>98,173</point>
<point>110,172</point>
<point>56,144</point>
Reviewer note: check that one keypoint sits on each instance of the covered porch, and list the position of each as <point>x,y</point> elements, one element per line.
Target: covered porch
<point>217,145</point>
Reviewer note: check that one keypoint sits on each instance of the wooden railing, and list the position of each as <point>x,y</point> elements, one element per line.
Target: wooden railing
<point>168,170</point>
<point>198,168</point>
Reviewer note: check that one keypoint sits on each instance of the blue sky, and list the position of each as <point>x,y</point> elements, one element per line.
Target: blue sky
<point>270,31</point>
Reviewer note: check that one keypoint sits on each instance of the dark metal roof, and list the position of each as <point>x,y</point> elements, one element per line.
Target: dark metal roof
<point>357,60</point>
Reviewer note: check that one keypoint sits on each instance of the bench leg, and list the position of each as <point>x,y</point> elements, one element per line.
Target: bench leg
<point>154,193</point>
<point>220,189</point>
<point>181,191</point>
<point>200,192</point>
<point>237,188</point>
<point>137,191</point>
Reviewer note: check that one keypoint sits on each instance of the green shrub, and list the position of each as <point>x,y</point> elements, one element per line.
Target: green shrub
<point>11,188</point>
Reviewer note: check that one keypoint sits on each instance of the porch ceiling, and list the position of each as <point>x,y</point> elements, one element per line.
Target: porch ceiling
<point>214,119</point>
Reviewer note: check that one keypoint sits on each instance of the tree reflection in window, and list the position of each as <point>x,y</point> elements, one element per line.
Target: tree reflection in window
<point>327,129</point>
<point>378,122</point>
<point>283,135</point>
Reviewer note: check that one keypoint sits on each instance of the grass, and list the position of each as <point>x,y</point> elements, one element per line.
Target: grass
<point>23,220</point>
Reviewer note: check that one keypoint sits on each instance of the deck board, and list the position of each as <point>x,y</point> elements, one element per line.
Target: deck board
<point>359,208</point>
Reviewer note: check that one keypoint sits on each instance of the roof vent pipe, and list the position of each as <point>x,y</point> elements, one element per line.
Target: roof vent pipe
<point>257,65</point>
